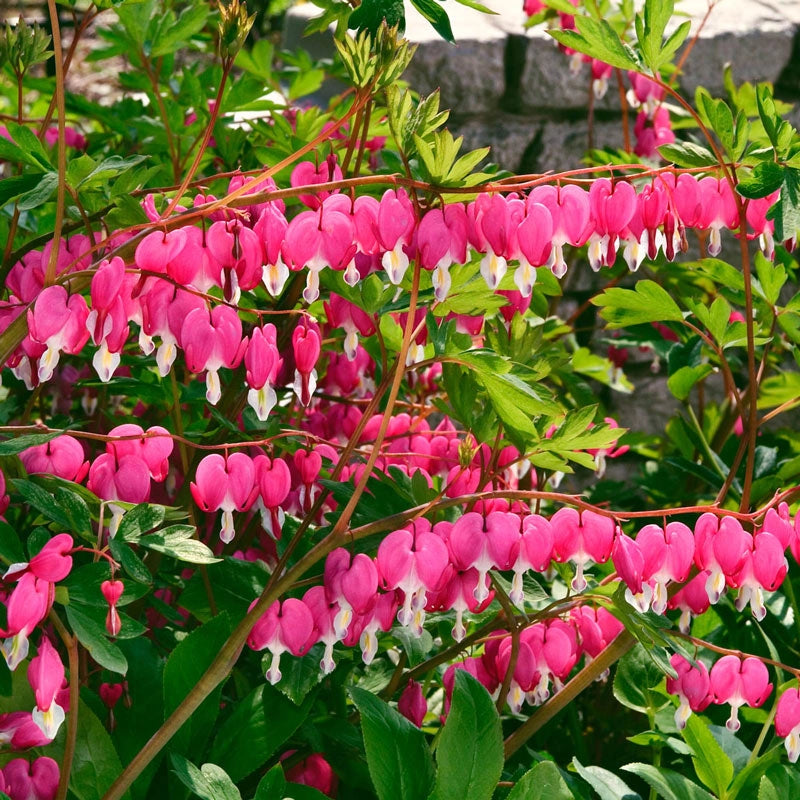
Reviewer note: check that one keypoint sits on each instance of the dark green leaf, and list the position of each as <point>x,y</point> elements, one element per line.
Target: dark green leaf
<point>371,13</point>
<point>93,637</point>
<point>95,765</point>
<point>11,447</point>
<point>687,154</point>
<point>42,501</point>
<point>669,784</point>
<point>139,520</point>
<point>40,194</point>
<point>470,751</point>
<point>10,546</point>
<point>437,16</point>
<point>397,754</point>
<point>607,785</point>
<point>711,765</point>
<point>766,177</point>
<point>543,782</point>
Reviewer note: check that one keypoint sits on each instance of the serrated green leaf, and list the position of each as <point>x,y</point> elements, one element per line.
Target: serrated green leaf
<point>596,38</point>
<point>648,302</point>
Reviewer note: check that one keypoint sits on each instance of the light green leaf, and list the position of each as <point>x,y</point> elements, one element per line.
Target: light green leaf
<point>607,785</point>
<point>543,782</point>
<point>711,765</point>
<point>669,784</point>
<point>649,302</point>
<point>209,782</point>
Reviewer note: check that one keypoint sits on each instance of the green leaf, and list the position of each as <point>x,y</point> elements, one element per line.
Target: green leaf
<point>786,212</point>
<point>657,14</point>
<point>40,194</point>
<point>94,639</point>
<point>184,668</point>
<point>10,546</point>
<point>681,382</point>
<point>129,561</point>
<point>95,765</point>
<point>209,782</point>
<point>766,177</point>
<point>29,143</point>
<point>11,447</point>
<point>76,510</point>
<point>635,677</point>
<point>607,785</point>
<point>14,187</point>
<point>596,38</point>
<point>543,782</point>
<point>371,13</point>
<point>649,302</point>
<point>271,785</point>
<point>669,784</point>
<point>687,154</point>
<point>41,500</point>
<point>177,541</point>
<point>437,17</point>
<point>398,757</point>
<point>780,782</point>
<point>673,42</point>
<point>711,765</point>
<point>139,520</point>
<point>470,751</point>
<point>260,723</point>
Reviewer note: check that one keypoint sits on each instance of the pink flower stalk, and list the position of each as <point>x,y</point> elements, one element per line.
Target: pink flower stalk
<point>691,599</point>
<point>692,686</point>
<point>274,482</point>
<point>721,548</point>
<point>112,591</point>
<point>58,322</point>
<point>212,342</point>
<point>28,605</point>
<point>307,173</point>
<point>612,206</point>
<point>31,781</point>
<point>227,484</point>
<point>581,538</point>
<point>62,456</point>
<point>414,560</point>
<point>412,703</point>
<point>352,583</point>
<point>395,228</point>
<point>46,675</point>
<point>739,682</point>
<point>787,722</point>
<point>307,346</point>
<point>287,626</point>
<point>263,363</point>
<point>569,211</point>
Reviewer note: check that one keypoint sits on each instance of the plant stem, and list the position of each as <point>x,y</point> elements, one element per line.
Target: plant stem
<point>71,643</point>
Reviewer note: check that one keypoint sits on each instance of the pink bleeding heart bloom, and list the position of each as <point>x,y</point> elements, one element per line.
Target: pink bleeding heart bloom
<point>154,449</point>
<point>72,137</point>
<point>112,591</point>
<point>212,342</point>
<point>458,594</point>
<point>601,72</point>
<point>226,484</point>
<point>721,547</point>
<point>534,240</point>
<point>271,228</point>
<point>765,567</point>
<point>307,346</point>
<point>286,626</point>
<point>308,466</point>
<point>313,771</point>
<point>319,239</point>
<point>596,628</point>
<point>20,732</point>
<point>31,781</point>
<point>379,616</point>
<point>194,264</point>
<point>569,211</point>
<point>62,456</point>
<point>274,483</point>
<point>739,682</point>
<point>717,210</point>
<point>692,686</point>
<point>668,556</point>
<point>441,241</point>
<point>612,206</point>
<point>324,613</point>
<point>494,220</point>
<point>263,363</point>
<point>395,227</point>
<point>787,722</point>
<point>533,550</point>
<point>127,480</point>
<point>475,667</point>
<point>52,563</point>
<point>483,543</point>
<point>412,703</point>
<point>352,583</point>
<point>651,131</point>
<point>582,538</point>
<point>763,228</point>
<point>307,173</point>
<point>4,498</point>
<point>105,292</point>
<point>58,322</point>
<point>343,314</point>
<point>156,250</point>
<point>28,605</point>
<point>414,560</point>
<point>110,694</point>
<point>46,675</point>
<point>691,599</point>
<point>238,251</point>
<point>644,90</point>
<point>629,563</point>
